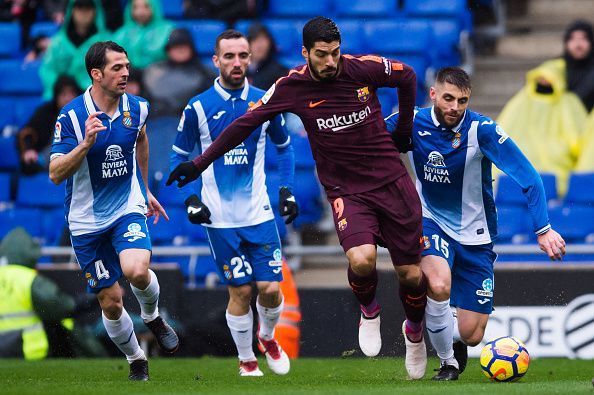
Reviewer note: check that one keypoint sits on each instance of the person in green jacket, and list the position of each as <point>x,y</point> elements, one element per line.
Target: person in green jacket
<point>31,305</point>
<point>144,33</point>
<point>83,25</point>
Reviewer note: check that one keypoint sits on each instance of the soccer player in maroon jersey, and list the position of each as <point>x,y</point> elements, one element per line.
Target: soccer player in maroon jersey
<point>373,199</point>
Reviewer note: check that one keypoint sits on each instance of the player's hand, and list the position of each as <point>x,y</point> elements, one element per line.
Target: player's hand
<point>553,244</point>
<point>93,125</point>
<point>184,173</point>
<point>288,205</point>
<point>155,208</point>
<point>402,142</point>
<point>198,213</point>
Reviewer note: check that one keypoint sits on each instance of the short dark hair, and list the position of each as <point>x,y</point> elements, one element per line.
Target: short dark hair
<point>228,34</point>
<point>95,57</point>
<point>455,76</point>
<point>320,28</point>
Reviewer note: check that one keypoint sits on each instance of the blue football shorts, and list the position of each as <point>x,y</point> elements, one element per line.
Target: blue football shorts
<point>473,282</point>
<point>247,254</point>
<point>98,253</point>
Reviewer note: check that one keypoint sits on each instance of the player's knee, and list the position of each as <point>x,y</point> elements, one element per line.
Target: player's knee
<point>111,304</point>
<point>241,295</point>
<point>409,275</point>
<point>362,263</point>
<point>270,290</point>
<point>439,289</point>
<point>139,276</point>
<point>472,337</point>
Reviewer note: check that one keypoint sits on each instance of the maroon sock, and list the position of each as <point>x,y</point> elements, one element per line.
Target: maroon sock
<point>414,300</point>
<point>363,286</point>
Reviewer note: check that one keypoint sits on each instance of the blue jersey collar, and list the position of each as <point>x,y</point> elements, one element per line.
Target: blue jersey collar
<point>455,129</point>
<point>90,106</point>
<point>225,95</point>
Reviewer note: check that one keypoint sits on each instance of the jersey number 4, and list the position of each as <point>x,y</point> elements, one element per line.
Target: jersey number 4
<point>100,270</point>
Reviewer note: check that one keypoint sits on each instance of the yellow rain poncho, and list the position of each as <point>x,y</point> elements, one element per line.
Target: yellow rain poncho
<point>547,127</point>
<point>586,160</point>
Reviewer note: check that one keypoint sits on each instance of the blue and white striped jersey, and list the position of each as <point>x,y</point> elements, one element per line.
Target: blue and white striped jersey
<point>232,187</point>
<point>108,184</point>
<point>453,172</point>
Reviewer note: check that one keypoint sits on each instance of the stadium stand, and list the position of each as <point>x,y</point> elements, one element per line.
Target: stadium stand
<point>9,159</point>
<point>10,39</point>
<point>28,192</point>
<point>365,8</point>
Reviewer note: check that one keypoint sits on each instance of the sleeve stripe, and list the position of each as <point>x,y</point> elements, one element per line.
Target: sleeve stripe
<point>76,125</point>
<point>285,144</point>
<point>543,230</point>
<point>180,151</point>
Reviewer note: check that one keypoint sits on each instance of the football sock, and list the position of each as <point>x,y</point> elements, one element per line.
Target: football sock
<point>455,330</point>
<point>414,301</point>
<point>438,319</point>
<point>268,318</point>
<point>121,332</point>
<point>372,310</point>
<point>241,327</point>
<point>363,286</point>
<point>148,298</point>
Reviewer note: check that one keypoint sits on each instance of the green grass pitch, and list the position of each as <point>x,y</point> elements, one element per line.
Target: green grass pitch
<point>307,376</point>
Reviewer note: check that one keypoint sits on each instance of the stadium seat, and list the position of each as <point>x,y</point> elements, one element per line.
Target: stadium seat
<point>366,8</point>
<point>46,28</point>
<point>307,193</point>
<point>24,107</point>
<point>19,79</point>
<point>28,218</point>
<point>291,62</point>
<point>39,191</point>
<point>435,8</point>
<point>168,232</point>
<point>287,35</point>
<point>9,159</point>
<point>10,40</point>
<point>580,189</point>
<point>5,187</point>
<point>169,196</point>
<point>352,39</point>
<point>418,62</point>
<point>204,32</point>
<point>512,225</point>
<point>7,113</point>
<point>446,36</point>
<point>388,100</point>
<point>573,223</point>
<point>398,36</point>
<point>196,233</point>
<point>306,8</point>
<point>172,9</point>
<point>53,222</point>
<point>161,132</point>
<point>303,155</point>
<point>509,193</point>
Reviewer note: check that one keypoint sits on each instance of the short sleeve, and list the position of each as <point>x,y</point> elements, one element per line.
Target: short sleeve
<point>65,139</point>
<point>187,130</point>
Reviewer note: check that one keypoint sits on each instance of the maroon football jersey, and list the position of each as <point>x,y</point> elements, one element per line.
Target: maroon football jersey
<point>353,151</point>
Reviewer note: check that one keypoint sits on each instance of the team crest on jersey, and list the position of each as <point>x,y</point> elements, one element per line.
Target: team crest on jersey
<point>363,94</point>
<point>134,232</point>
<point>342,224</point>
<point>58,132</point>
<point>227,272</point>
<point>90,280</point>
<point>456,140</point>
<point>426,243</point>
<point>127,119</point>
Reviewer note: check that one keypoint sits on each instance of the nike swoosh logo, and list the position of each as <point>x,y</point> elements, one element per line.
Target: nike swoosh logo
<point>312,104</point>
<point>424,133</point>
<point>218,115</point>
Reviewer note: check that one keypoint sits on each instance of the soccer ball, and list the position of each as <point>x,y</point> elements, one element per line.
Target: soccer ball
<point>505,359</point>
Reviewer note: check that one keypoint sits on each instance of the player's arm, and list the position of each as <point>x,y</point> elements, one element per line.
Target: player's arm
<point>185,140</point>
<point>383,72</point>
<point>275,101</point>
<point>67,154</point>
<point>505,154</point>
<point>142,157</point>
<point>279,135</point>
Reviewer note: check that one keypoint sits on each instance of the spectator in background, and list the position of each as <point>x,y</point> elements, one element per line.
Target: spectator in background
<point>264,68</point>
<point>134,84</point>
<point>35,137</point>
<point>145,32</point>
<point>547,117</point>
<point>171,83</point>
<point>83,26</point>
<point>112,9</point>
<point>39,46</point>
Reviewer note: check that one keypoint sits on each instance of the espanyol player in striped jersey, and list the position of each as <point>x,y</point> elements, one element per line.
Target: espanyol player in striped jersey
<point>234,204</point>
<point>454,149</point>
<point>100,148</point>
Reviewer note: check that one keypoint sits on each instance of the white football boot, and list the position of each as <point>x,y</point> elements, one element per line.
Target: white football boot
<point>370,338</point>
<point>416,356</point>
<point>249,369</point>
<point>277,358</point>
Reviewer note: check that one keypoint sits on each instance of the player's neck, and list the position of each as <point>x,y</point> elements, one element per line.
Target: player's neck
<point>105,102</point>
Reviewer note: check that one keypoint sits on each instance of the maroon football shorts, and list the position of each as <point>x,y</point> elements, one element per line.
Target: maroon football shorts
<point>389,216</point>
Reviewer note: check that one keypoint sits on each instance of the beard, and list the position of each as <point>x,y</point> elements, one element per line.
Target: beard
<point>232,81</point>
<point>440,115</point>
<point>320,77</point>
